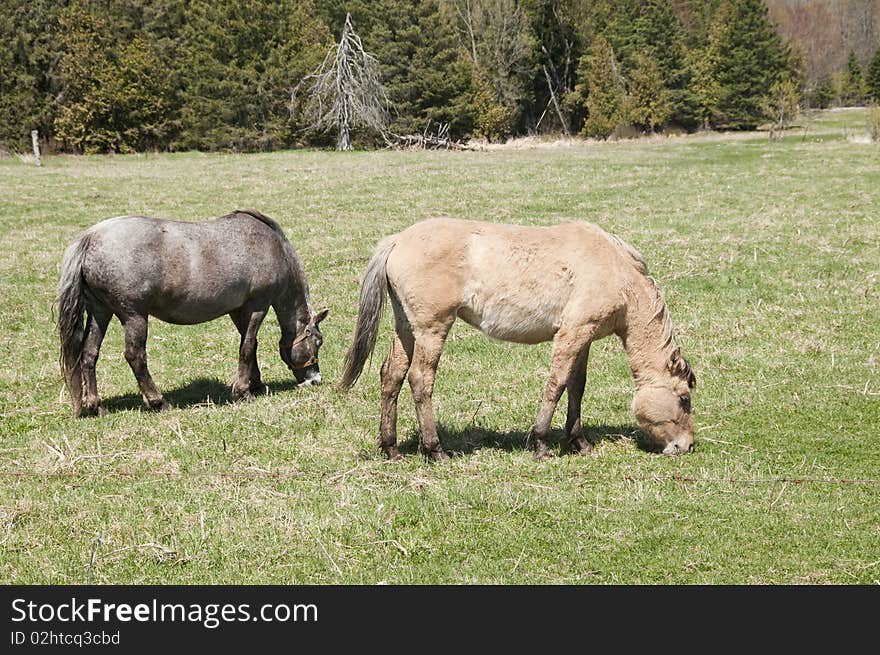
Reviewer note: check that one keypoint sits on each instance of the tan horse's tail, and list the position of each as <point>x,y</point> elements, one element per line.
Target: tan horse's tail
<point>71,307</point>
<point>374,290</point>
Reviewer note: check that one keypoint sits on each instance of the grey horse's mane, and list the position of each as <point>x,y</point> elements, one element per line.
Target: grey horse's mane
<point>271,222</point>
<point>660,312</point>
<point>296,264</point>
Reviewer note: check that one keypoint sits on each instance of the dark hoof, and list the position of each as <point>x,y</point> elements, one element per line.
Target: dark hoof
<point>541,451</point>
<point>240,393</point>
<point>392,453</point>
<point>259,390</point>
<point>436,455</point>
<point>97,410</point>
<point>580,446</point>
<point>160,405</point>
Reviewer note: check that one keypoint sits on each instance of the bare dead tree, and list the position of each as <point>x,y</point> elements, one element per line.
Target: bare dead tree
<point>345,92</point>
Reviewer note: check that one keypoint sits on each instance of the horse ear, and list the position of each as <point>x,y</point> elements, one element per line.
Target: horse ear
<point>320,316</point>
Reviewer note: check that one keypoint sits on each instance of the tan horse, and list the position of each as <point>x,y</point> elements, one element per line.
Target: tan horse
<point>571,284</point>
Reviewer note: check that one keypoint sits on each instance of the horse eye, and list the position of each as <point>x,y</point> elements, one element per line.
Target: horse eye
<point>685,402</point>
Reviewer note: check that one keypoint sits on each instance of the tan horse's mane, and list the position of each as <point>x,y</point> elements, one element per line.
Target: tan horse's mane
<point>659,311</point>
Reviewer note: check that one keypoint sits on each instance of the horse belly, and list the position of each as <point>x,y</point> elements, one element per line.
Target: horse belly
<point>189,306</point>
<point>508,321</point>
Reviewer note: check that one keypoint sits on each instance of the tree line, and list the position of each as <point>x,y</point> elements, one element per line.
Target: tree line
<point>104,76</point>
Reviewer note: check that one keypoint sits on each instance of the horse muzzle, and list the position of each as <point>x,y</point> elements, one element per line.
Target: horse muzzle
<point>312,380</point>
<point>679,446</point>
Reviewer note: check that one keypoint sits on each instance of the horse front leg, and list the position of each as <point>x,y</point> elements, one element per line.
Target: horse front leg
<point>568,345</point>
<point>135,327</point>
<point>575,389</point>
<point>248,380</point>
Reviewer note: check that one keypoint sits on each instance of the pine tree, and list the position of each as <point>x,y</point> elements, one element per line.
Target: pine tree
<point>660,36</point>
<point>29,80</point>
<point>616,21</point>
<point>240,59</point>
<point>873,81</point>
<point>853,86</point>
<point>749,57</point>
<point>427,76</point>
<point>604,92</point>
<point>704,62</point>
<point>824,94</point>
<point>648,103</point>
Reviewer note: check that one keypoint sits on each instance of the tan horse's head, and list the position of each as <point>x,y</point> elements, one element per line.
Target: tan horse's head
<point>663,407</point>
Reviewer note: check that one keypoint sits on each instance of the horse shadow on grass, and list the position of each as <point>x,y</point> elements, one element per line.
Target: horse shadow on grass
<point>200,392</point>
<point>466,441</point>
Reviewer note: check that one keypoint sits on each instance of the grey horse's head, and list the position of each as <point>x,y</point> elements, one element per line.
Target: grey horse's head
<point>301,354</point>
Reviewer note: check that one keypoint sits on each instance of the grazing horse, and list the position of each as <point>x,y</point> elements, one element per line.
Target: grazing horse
<point>571,284</point>
<point>184,273</point>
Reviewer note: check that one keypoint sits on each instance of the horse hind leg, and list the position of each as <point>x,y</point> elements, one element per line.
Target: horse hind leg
<point>575,389</point>
<point>96,327</point>
<point>394,370</point>
<point>135,327</point>
<point>426,356</point>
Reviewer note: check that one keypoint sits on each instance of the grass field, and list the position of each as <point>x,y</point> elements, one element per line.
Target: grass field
<point>767,252</point>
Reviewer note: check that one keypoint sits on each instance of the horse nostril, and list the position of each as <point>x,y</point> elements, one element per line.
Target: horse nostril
<point>691,448</point>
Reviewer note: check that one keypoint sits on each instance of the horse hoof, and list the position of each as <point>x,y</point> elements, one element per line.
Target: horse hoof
<point>392,453</point>
<point>438,455</point>
<point>259,390</point>
<point>541,451</point>
<point>581,447</point>
<point>93,410</point>
<point>160,405</point>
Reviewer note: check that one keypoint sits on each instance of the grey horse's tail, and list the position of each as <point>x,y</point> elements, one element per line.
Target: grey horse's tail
<point>71,307</point>
<point>374,289</point>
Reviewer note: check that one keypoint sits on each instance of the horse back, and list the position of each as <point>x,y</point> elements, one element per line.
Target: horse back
<point>515,283</point>
<point>184,272</point>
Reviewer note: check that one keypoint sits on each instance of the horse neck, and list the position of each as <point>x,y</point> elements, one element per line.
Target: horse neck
<point>648,338</point>
<point>294,306</point>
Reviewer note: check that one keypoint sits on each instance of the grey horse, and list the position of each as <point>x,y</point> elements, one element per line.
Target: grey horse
<point>133,267</point>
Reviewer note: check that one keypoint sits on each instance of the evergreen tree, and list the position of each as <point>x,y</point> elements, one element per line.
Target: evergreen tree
<point>605,95</point>
<point>660,36</point>
<point>648,103</point>
<point>428,78</point>
<point>749,57</point>
<point>853,86</point>
<point>704,62</point>
<point>115,96</point>
<point>29,80</point>
<point>240,61</point>
<point>873,81</point>
<point>824,94</point>
<point>616,21</point>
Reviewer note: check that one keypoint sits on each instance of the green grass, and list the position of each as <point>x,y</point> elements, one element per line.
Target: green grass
<point>767,252</point>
